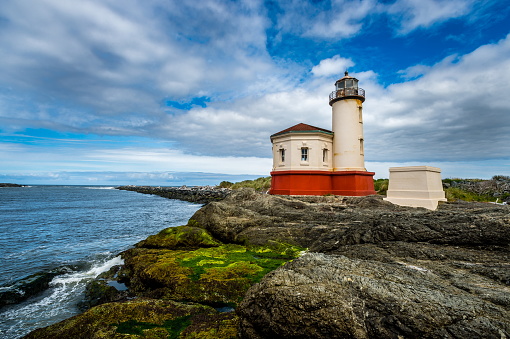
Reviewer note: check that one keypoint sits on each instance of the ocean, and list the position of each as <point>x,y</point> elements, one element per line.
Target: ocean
<point>78,230</point>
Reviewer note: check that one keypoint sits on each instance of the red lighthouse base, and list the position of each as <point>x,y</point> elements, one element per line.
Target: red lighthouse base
<point>349,183</point>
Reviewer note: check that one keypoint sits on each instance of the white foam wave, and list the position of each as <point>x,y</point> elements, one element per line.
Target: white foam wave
<point>93,272</point>
<point>57,303</point>
<point>100,188</point>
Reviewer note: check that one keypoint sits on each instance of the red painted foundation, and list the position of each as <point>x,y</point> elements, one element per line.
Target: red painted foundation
<point>349,183</point>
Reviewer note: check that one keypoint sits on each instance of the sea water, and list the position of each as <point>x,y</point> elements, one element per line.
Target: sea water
<point>79,228</point>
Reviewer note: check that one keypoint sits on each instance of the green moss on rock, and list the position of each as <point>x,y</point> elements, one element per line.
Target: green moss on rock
<point>214,275</point>
<point>143,318</point>
<point>180,237</point>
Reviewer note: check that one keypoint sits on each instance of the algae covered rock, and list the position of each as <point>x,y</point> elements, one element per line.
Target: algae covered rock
<point>144,318</point>
<point>180,237</point>
<point>214,275</point>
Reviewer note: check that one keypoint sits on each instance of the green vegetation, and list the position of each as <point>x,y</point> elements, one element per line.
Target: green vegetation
<point>497,188</point>
<point>237,262</point>
<point>186,263</point>
<point>260,184</point>
<point>174,327</point>
<point>225,184</point>
<point>188,236</point>
<point>455,193</point>
<point>381,186</point>
<point>144,318</point>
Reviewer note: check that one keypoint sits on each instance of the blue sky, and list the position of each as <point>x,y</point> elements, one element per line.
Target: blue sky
<point>179,92</point>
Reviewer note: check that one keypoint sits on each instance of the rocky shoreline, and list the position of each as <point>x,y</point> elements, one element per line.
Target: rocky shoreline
<point>10,185</point>
<point>371,270</point>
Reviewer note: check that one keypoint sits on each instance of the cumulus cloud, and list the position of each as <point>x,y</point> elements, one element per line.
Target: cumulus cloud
<point>455,111</point>
<point>413,14</point>
<point>346,18</point>
<point>332,66</point>
<point>108,59</point>
<point>137,69</point>
<point>326,19</point>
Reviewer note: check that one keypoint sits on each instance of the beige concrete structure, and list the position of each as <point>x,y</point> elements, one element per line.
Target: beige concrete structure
<point>302,148</point>
<point>415,186</point>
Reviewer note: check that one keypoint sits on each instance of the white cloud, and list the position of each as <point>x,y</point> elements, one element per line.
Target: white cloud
<point>106,58</point>
<point>455,111</point>
<point>344,19</point>
<point>413,14</point>
<point>96,157</point>
<point>332,66</point>
<point>107,68</point>
<point>328,19</point>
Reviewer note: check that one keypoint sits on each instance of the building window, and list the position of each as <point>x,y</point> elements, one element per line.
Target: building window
<point>304,153</point>
<point>361,147</point>
<point>360,114</point>
<point>324,155</point>
<point>282,155</point>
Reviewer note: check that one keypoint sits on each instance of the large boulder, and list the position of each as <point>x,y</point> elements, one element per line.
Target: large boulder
<point>328,223</point>
<point>327,296</point>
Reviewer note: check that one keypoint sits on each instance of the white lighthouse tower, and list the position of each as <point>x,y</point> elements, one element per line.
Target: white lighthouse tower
<point>347,105</point>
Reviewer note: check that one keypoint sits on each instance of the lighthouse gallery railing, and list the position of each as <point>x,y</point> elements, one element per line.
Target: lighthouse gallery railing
<point>347,92</point>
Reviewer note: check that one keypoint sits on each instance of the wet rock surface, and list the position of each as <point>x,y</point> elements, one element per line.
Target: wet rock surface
<point>327,296</point>
<point>185,263</point>
<point>144,318</point>
<point>373,270</point>
<point>326,224</point>
<point>174,280</point>
<point>29,286</point>
<point>384,270</point>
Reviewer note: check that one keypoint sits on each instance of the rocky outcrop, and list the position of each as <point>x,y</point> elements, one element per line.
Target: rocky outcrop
<point>184,264</point>
<point>329,223</point>
<point>29,286</point>
<point>144,318</point>
<point>384,270</point>
<point>498,187</point>
<point>198,194</point>
<point>9,185</point>
<point>373,270</point>
<point>326,296</point>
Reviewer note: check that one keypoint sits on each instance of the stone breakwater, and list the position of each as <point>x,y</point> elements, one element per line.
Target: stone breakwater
<point>197,194</point>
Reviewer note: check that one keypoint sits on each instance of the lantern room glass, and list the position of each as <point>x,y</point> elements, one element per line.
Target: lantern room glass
<point>347,83</point>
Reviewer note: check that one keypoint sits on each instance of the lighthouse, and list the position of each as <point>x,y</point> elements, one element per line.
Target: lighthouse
<point>346,102</point>
<point>309,160</point>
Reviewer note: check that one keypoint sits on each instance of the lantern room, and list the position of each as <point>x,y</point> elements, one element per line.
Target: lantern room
<point>346,88</point>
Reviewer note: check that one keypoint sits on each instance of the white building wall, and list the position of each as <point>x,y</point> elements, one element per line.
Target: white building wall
<point>348,129</point>
<point>292,144</point>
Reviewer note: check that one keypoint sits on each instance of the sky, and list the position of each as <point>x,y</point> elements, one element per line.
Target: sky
<point>164,92</point>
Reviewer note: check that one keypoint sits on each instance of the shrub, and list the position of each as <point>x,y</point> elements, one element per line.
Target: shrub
<point>225,184</point>
<point>381,186</point>
<point>260,184</point>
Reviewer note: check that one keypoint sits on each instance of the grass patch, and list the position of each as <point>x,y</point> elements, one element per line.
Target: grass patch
<point>455,193</point>
<point>260,184</point>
